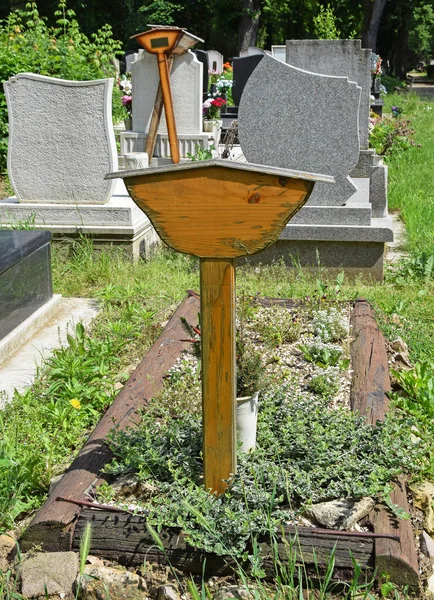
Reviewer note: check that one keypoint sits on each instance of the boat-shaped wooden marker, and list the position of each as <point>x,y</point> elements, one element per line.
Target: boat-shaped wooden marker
<point>219,210</point>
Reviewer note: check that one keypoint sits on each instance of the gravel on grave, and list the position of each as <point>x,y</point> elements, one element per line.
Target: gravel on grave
<point>284,361</point>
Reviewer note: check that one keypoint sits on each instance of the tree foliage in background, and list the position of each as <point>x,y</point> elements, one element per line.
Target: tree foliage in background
<point>29,44</point>
<point>421,34</point>
<point>401,31</point>
<point>324,24</point>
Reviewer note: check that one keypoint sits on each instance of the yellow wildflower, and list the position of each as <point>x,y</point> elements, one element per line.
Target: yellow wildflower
<point>75,403</point>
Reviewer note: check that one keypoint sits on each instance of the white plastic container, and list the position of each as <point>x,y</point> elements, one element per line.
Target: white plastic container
<point>247,418</point>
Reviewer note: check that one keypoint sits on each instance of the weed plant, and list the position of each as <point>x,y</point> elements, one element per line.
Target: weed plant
<point>306,453</point>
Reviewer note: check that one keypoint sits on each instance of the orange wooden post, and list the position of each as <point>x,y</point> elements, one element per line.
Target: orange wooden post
<point>217,309</point>
<point>161,42</point>
<point>219,210</point>
<point>185,41</point>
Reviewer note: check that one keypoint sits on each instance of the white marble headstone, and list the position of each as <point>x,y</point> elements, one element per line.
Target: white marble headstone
<point>279,52</point>
<point>215,61</point>
<point>61,140</point>
<point>186,83</point>
<point>294,119</point>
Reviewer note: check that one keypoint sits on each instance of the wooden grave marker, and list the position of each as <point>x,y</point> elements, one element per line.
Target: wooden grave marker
<point>219,210</point>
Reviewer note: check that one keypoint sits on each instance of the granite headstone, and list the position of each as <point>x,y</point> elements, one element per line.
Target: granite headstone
<point>279,52</point>
<point>252,51</point>
<point>25,276</point>
<point>294,119</point>
<point>343,58</point>
<point>61,140</point>
<point>202,57</point>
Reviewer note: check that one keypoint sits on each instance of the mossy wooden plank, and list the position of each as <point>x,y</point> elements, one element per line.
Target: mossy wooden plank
<point>125,538</point>
<point>369,387</point>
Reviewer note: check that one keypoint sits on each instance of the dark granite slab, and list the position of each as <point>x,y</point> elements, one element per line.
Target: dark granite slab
<point>25,276</point>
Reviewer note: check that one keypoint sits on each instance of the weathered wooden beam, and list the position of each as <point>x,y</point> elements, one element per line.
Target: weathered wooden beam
<point>53,525</point>
<point>126,539</point>
<point>369,388</point>
<point>371,380</point>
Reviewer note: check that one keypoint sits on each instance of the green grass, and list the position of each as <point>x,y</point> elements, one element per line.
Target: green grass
<point>411,175</point>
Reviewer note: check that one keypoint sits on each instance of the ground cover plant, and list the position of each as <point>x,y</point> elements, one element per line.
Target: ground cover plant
<point>311,448</point>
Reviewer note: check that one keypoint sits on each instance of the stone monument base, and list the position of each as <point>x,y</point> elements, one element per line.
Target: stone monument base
<point>355,249</point>
<point>132,141</point>
<point>118,222</point>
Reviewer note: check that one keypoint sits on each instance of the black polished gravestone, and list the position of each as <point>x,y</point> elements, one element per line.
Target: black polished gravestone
<point>25,276</point>
<point>243,68</point>
<point>202,57</point>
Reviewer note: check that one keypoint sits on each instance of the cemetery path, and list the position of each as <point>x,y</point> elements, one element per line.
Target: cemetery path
<point>395,250</point>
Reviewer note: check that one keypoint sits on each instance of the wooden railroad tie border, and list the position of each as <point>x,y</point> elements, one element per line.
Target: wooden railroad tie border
<point>58,525</point>
<point>369,388</point>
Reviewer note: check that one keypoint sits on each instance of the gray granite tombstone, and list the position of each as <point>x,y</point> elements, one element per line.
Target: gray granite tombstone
<point>294,119</point>
<point>25,276</point>
<point>61,140</point>
<point>130,57</point>
<point>242,68</point>
<point>344,58</point>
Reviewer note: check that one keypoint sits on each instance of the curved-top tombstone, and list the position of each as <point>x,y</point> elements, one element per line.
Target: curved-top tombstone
<point>61,139</point>
<point>294,119</point>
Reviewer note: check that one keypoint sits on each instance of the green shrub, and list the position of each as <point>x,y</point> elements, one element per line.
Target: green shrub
<point>28,44</point>
<point>391,136</point>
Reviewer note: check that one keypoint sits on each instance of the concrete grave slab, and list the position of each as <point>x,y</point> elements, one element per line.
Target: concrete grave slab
<point>61,140</point>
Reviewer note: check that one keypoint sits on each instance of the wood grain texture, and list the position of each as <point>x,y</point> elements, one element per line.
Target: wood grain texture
<point>397,559</point>
<point>124,538</point>
<point>156,117</point>
<point>371,381</point>
<point>52,527</point>
<point>369,387</point>
<point>217,310</point>
<point>163,69</point>
<point>218,212</point>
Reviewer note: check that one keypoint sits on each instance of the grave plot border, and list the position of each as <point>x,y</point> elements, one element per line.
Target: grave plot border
<point>123,537</point>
